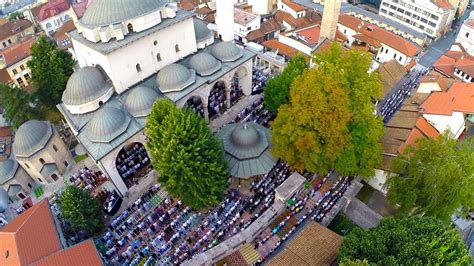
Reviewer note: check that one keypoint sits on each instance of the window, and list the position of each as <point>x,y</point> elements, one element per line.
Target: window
<point>4,44</point>
<point>55,148</point>
<point>130,27</point>
<point>27,166</point>
<point>400,59</point>
<point>29,185</point>
<point>155,43</point>
<point>66,163</point>
<point>139,68</point>
<point>41,160</point>
<point>55,177</point>
<point>158,57</point>
<point>40,180</point>
<point>14,71</point>
<point>22,67</point>
<point>394,56</point>
<point>21,195</point>
<point>20,82</point>
<point>9,41</point>
<point>386,51</point>
<point>176,48</point>
<point>27,77</point>
<point>381,49</point>
<point>467,34</point>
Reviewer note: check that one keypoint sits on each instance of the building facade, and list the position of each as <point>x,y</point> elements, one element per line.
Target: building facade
<point>14,31</point>
<point>466,35</point>
<point>433,17</point>
<point>15,180</point>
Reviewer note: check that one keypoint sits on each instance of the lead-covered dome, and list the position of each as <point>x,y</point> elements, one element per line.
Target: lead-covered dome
<point>140,101</point>
<point>201,31</point>
<point>85,85</point>
<point>204,64</point>
<point>7,170</point>
<point>107,124</point>
<point>31,137</point>
<point>4,200</point>
<point>227,51</point>
<point>175,77</point>
<point>108,12</point>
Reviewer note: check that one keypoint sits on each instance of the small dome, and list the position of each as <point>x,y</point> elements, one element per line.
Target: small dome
<point>107,124</point>
<point>108,12</point>
<point>175,77</point>
<point>140,101</point>
<point>85,85</point>
<point>204,64</point>
<point>227,51</point>
<point>245,136</point>
<point>200,29</point>
<point>31,137</point>
<point>7,170</point>
<point>4,200</point>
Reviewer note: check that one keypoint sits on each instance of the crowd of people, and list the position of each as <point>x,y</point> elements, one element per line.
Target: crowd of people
<point>258,80</point>
<point>391,105</point>
<point>195,104</point>
<point>131,162</point>
<point>256,112</point>
<point>89,180</point>
<point>217,100</point>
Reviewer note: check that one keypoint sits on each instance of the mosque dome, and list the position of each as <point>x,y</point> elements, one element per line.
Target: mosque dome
<point>244,136</point>
<point>227,51</point>
<point>4,200</point>
<point>201,31</point>
<point>31,137</point>
<point>204,64</point>
<point>85,85</point>
<point>107,124</point>
<point>108,12</point>
<point>140,101</point>
<point>7,170</point>
<point>175,77</point>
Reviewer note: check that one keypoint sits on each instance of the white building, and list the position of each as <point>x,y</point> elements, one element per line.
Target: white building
<point>261,7</point>
<point>148,50</point>
<point>432,17</point>
<point>466,35</point>
<point>52,15</point>
<point>294,9</point>
<point>244,22</point>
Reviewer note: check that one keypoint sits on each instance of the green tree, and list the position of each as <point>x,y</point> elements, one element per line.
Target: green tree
<point>189,158</point>
<point>17,104</point>
<point>434,178</point>
<point>409,241</point>
<point>50,70</point>
<point>329,122</point>
<point>81,210</point>
<point>15,15</point>
<point>277,89</point>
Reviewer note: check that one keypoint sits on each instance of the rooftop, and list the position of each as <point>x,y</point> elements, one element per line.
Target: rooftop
<point>13,27</point>
<point>295,6</point>
<point>282,48</point>
<point>243,17</point>
<point>50,9</point>
<point>314,245</point>
<point>60,35</point>
<point>459,98</point>
<point>18,51</point>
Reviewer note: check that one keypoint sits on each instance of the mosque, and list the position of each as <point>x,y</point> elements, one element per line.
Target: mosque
<point>132,52</point>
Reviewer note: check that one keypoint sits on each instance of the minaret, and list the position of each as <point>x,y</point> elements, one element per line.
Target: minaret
<point>331,13</point>
<point>225,19</point>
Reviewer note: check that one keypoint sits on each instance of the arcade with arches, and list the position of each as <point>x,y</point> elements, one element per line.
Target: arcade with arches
<point>132,163</point>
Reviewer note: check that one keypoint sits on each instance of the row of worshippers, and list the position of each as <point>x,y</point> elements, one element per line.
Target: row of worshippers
<point>256,112</point>
<point>131,162</point>
<point>258,80</point>
<point>88,179</point>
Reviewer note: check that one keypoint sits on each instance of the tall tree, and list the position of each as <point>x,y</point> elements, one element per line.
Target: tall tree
<point>189,158</point>
<point>408,241</point>
<point>17,104</point>
<point>434,178</point>
<point>50,70</point>
<point>81,210</point>
<point>329,122</point>
<point>277,90</point>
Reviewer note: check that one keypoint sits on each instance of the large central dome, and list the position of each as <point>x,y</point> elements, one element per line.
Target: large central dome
<point>108,12</point>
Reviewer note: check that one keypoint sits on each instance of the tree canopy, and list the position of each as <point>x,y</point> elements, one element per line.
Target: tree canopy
<point>189,158</point>
<point>81,210</point>
<point>434,178</point>
<point>17,104</point>
<point>50,70</point>
<point>409,241</point>
<point>277,89</point>
<point>329,122</point>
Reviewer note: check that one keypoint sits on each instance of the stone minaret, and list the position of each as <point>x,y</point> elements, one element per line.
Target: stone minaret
<point>331,13</point>
<point>225,19</point>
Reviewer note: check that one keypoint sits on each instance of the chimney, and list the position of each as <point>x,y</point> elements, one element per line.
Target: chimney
<point>225,19</point>
<point>331,13</point>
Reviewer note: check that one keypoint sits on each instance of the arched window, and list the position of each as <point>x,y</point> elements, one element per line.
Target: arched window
<point>158,57</point>
<point>21,195</point>
<point>176,48</point>
<point>130,27</point>
<point>55,148</point>
<point>139,68</point>
<point>41,160</point>
<point>55,177</point>
<point>40,180</point>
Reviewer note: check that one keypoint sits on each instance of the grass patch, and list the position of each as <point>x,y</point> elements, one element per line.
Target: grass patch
<point>79,158</point>
<point>39,191</point>
<point>365,193</point>
<point>341,225</point>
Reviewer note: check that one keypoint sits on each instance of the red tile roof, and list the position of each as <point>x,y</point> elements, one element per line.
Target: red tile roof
<point>296,7</point>
<point>466,65</point>
<point>80,7</point>
<point>29,237</point>
<point>83,253</point>
<point>51,8</point>
<point>13,27</point>
<point>470,22</point>
<point>459,98</point>
<point>4,76</point>
<point>422,129</point>
<point>311,18</point>
<point>17,52</point>
<point>445,65</point>
<point>310,35</point>
<point>60,35</point>
<point>378,34</point>
<point>282,48</point>
<point>444,4</point>
<point>441,81</point>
